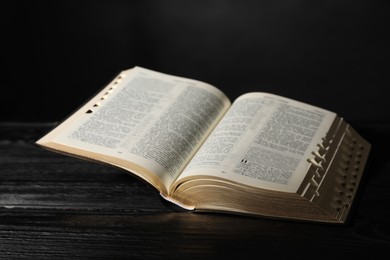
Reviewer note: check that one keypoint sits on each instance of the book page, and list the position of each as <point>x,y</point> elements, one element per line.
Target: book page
<point>154,120</point>
<point>264,140</point>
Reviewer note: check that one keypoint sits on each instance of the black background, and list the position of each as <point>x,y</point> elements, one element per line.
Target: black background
<point>56,54</point>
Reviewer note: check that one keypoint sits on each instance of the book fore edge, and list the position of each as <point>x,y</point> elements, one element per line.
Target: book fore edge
<point>345,178</point>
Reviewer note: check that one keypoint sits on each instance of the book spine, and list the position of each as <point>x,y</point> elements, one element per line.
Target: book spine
<point>177,203</point>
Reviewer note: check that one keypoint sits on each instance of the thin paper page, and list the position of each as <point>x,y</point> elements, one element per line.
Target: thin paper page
<point>151,119</point>
<point>263,141</point>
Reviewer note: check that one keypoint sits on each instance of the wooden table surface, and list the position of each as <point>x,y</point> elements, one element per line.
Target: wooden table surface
<point>56,207</point>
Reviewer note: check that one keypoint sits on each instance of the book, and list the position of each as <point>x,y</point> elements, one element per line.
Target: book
<point>261,155</point>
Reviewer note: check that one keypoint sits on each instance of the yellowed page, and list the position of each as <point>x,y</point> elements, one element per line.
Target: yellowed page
<point>264,140</point>
<point>154,120</point>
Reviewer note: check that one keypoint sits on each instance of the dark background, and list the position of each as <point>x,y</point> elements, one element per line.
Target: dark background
<point>334,54</point>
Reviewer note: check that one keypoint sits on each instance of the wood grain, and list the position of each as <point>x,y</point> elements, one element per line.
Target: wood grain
<point>57,207</point>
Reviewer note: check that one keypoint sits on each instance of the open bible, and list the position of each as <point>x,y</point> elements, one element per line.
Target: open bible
<point>262,155</point>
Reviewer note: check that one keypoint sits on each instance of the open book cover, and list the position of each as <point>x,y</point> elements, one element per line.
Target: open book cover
<point>262,154</point>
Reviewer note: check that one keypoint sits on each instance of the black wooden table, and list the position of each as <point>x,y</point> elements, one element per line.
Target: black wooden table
<point>57,207</point>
